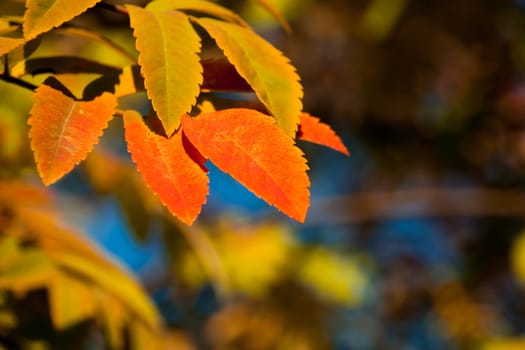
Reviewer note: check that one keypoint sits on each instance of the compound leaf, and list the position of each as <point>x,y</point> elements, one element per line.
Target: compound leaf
<point>168,55</point>
<point>43,15</point>
<point>249,146</point>
<point>171,167</point>
<point>313,130</point>
<point>63,131</point>
<point>270,74</point>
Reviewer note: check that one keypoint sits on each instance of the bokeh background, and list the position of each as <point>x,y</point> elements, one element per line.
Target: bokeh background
<point>416,241</point>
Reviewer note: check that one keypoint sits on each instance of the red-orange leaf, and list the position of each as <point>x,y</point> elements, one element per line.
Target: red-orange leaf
<point>172,167</point>
<point>251,148</point>
<point>313,130</point>
<point>63,131</point>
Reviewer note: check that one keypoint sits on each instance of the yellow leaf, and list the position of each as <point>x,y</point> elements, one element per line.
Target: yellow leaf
<point>335,277</point>
<point>9,251</point>
<point>202,6</point>
<point>9,44</point>
<point>115,318</point>
<point>505,344</point>
<point>518,258</point>
<point>118,284</point>
<point>43,15</point>
<point>71,301</point>
<point>32,269</point>
<point>143,338</point>
<point>168,55</point>
<point>270,74</point>
<point>70,252</point>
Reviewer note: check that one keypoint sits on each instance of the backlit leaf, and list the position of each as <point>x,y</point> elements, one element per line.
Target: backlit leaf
<point>30,270</point>
<point>66,249</point>
<point>202,6</point>
<point>64,131</point>
<point>250,147</point>
<point>168,55</point>
<point>43,15</point>
<point>313,130</point>
<point>9,44</point>
<point>270,74</point>
<point>170,166</point>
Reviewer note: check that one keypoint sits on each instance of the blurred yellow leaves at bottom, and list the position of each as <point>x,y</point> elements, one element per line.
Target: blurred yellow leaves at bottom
<point>257,257</point>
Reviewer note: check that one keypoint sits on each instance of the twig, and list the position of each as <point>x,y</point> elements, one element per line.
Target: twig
<point>5,76</point>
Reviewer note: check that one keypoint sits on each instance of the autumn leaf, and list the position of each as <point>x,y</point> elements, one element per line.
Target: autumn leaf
<point>203,6</point>
<point>249,146</point>
<point>43,15</point>
<point>64,131</point>
<point>313,130</point>
<point>9,44</point>
<point>170,166</point>
<point>272,77</point>
<point>64,295</point>
<point>168,55</point>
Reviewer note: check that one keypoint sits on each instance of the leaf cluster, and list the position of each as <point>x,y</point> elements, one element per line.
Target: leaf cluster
<point>179,130</point>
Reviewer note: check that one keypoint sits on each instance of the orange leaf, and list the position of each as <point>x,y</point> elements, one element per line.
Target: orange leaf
<point>313,130</point>
<point>249,146</point>
<point>172,167</point>
<point>63,131</point>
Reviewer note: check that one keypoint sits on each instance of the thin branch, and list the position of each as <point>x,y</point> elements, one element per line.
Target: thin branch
<point>5,76</point>
<point>18,82</point>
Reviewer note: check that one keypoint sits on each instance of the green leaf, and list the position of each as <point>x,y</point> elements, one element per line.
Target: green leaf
<point>43,15</point>
<point>270,74</point>
<point>206,7</point>
<point>168,55</point>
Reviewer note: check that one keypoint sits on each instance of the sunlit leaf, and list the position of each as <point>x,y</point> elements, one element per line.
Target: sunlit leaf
<point>30,270</point>
<point>334,277</point>
<point>115,319</point>
<point>9,44</point>
<point>517,343</point>
<point>43,15</point>
<point>168,55</point>
<point>270,74</point>
<point>313,130</point>
<point>252,149</point>
<point>64,131</point>
<point>71,253</point>
<point>71,301</point>
<point>170,166</point>
<point>203,6</point>
<point>9,252</point>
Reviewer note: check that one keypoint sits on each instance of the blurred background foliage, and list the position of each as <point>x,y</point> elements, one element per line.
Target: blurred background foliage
<point>417,241</point>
